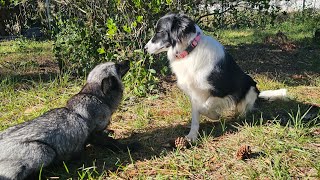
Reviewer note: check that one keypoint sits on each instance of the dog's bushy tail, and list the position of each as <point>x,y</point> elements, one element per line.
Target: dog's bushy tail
<point>271,95</point>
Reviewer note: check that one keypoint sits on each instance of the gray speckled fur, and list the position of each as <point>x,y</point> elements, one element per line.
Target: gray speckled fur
<point>62,133</point>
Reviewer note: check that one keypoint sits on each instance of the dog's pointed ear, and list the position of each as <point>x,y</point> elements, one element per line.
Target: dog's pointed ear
<point>181,27</point>
<point>108,84</point>
<point>122,67</point>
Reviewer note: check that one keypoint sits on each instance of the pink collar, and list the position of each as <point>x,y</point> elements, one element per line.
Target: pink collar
<point>187,51</point>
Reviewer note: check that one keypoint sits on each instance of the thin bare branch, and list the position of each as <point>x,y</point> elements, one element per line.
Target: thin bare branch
<point>214,13</point>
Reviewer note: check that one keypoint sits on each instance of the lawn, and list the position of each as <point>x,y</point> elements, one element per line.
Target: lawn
<point>284,136</point>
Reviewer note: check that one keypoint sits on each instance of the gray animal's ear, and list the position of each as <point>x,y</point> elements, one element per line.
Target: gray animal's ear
<point>109,84</point>
<point>123,67</point>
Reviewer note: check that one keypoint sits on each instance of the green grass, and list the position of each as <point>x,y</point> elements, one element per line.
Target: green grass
<point>26,56</point>
<point>283,137</point>
<point>277,149</point>
<point>21,103</point>
<point>296,29</point>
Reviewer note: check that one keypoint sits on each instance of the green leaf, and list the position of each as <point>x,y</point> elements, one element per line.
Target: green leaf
<point>112,27</point>
<point>134,24</point>
<point>126,28</point>
<point>139,19</point>
<point>101,50</point>
<point>152,71</point>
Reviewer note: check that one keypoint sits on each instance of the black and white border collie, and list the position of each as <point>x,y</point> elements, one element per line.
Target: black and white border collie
<point>207,73</point>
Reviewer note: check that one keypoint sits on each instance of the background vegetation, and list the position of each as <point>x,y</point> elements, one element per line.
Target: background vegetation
<point>280,50</point>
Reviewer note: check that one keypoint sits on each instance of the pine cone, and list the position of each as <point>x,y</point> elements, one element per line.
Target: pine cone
<point>243,152</point>
<point>181,142</point>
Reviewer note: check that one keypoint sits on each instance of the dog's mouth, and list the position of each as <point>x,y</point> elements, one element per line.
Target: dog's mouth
<point>161,49</point>
<point>155,48</point>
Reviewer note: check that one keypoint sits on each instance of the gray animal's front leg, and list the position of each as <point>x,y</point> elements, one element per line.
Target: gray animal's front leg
<point>194,131</point>
<point>103,139</point>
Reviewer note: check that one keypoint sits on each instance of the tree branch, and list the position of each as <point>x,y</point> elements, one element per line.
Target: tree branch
<point>72,4</point>
<point>214,13</point>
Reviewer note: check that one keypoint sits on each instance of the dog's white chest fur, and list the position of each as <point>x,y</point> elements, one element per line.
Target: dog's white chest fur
<point>193,72</point>
<point>193,83</point>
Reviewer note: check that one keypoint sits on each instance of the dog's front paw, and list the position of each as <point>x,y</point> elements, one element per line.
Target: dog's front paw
<point>192,138</point>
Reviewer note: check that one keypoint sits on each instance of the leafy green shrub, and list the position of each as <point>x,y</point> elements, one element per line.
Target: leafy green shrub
<point>142,78</point>
<point>77,48</point>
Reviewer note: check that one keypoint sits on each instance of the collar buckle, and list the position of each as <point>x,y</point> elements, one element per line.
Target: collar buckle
<point>182,54</point>
<point>193,44</point>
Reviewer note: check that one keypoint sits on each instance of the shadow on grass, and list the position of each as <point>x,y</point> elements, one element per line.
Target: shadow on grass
<point>28,81</point>
<point>33,72</point>
<point>24,67</point>
<point>296,66</point>
<point>31,77</point>
<point>155,142</point>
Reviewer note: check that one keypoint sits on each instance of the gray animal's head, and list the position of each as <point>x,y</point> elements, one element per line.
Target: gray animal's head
<point>108,70</point>
<point>104,81</point>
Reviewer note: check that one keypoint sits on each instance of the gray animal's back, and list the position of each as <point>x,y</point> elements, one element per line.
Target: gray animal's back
<point>58,128</point>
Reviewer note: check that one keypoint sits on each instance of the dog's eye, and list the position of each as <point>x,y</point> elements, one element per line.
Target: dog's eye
<point>159,32</point>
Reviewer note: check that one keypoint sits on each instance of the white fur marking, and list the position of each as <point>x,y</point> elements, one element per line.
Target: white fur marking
<point>272,95</point>
<point>216,107</point>
<point>155,48</point>
<point>247,103</point>
<point>193,134</point>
